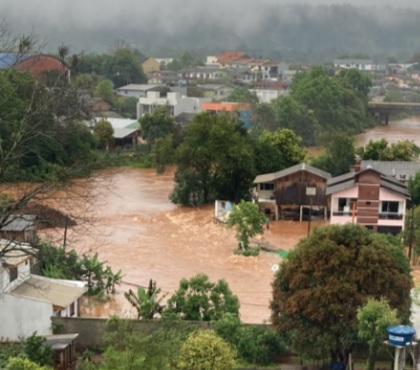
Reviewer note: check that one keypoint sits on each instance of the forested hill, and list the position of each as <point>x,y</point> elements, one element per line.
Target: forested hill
<point>304,33</point>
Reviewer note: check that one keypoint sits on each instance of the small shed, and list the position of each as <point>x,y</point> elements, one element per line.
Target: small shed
<point>20,228</point>
<point>292,192</point>
<point>64,350</point>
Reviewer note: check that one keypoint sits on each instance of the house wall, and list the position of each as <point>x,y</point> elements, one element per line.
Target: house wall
<point>291,189</point>
<point>150,65</point>
<point>21,317</point>
<point>348,193</point>
<point>23,272</point>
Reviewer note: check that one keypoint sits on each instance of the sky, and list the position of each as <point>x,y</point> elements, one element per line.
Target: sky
<point>75,22</point>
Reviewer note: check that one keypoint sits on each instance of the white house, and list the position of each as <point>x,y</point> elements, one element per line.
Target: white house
<point>175,103</point>
<point>28,301</point>
<point>360,64</point>
<point>136,90</point>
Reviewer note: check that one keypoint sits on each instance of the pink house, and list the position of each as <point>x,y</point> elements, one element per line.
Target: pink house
<point>369,198</point>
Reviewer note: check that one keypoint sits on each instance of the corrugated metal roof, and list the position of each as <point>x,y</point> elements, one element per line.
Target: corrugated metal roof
<point>57,292</point>
<point>19,223</point>
<point>7,60</point>
<point>401,170</point>
<point>269,177</point>
<point>120,133</point>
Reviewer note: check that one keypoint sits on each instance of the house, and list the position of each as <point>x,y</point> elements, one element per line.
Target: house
<point>28,301</point>
<point>370,198</point>
<point>40,66</point>
<point>360,64</point>
<point>399,170</point>
<point>150,65</point>
<point>226,58</point>
<point>173,101</point>
<point>126,131</point>
<point>292,192</point>
<point>241,75</point>
<point>202,73</point>
<point>137,90</point>
<point>215,92</point>
<point>20,228</point>
<point>164,61</point>
<point>273,70</point>
<point>98,105</point>
<point>240,111</point>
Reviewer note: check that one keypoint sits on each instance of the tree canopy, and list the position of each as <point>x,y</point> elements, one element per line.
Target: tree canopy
<point>382,150</point>
<point>327,278</point>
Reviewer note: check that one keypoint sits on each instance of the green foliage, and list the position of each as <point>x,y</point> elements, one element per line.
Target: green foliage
<point>214,161</point>
<point>380,150</point>
<point>105,90</point>
<point>201,300</point>
<point>129,349</point>
<point>414,188</point>
<point>59,263</point>
<point>7,351</point>
<point>278,150</point>
<point>255,345</point>
<point>411,231</point>
<point>121,66</point>
<point>105,133</point>
<point>338,156</point>
<point>156,125</point>
<point>373,319</point>
<point>163,152</point>
<point>42,137</point>
<point>204,350</point>
<point>18,363</point>
<point>242,95</point>
<point>38,351</point>
<point>127,106</point>
<point>311,289</point>
<point>146,302</point>
<point>248,220</point>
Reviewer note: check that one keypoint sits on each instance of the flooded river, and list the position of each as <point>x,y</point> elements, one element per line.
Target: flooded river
<point>138,230</point>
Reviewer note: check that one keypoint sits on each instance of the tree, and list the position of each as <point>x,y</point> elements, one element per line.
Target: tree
<point>248,220</point>
<point>414,188</point>
<point>214,161</point>
<point>204,350</point>
<point>105,90</point>
<point>163,152</point>
<point>374,318</point>
<point>278,150</point>
<point>201,300</point>
<point>38,351</point>
<point>43,140</point>
<point>338,156</point>
<point>105,134</point>
<point>156,125</point>
<point>327,278</point>
<point>403,150</point>
<point>18,363</point>
<point>242,95</point>
<point>146,302</point>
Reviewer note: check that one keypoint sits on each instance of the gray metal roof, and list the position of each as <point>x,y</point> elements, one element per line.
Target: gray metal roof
<point>19,223</point>
<point>139,87</point>
<point>269,177</point>
<point>398,169</point>
<point>121,133</point>
<point>348,180</point>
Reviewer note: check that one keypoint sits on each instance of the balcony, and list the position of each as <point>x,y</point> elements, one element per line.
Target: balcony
<point>390,216</point>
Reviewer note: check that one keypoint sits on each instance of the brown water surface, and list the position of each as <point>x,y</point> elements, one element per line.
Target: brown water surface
<point>138,230</point>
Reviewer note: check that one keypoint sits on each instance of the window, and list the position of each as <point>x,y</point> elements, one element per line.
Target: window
<point>72,309</point>
<point>13,271</point>
<point>389,207</point>
<point>267,186</point>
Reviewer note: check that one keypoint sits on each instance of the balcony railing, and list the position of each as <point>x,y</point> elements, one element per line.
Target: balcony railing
<point>390,216</point>
<point>344,213</point>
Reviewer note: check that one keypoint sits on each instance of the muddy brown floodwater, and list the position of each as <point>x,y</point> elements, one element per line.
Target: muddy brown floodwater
<point>138,230</point>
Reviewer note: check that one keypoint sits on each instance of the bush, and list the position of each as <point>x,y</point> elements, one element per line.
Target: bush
<point>205,350</point>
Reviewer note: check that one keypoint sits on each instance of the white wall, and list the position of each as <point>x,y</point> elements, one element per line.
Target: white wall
<point>24,270</point>
<point>21,317</point>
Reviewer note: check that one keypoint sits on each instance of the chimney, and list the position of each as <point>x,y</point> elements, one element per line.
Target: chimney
<point>357,165</point>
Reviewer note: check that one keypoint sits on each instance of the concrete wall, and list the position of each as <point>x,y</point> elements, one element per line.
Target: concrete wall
<point>21,317</point>
<point>91,330</point>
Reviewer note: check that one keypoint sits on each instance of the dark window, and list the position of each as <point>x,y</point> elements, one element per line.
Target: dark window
<point>72,309</point>
<point>266,186</point>
<point>390,207</point>
<point>394,230</point>
<point>13,271</point>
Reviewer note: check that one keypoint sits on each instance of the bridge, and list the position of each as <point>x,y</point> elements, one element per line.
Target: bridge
<point>382,110</point>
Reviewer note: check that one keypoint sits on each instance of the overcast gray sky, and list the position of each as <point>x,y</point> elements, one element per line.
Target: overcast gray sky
<point>75,22</point>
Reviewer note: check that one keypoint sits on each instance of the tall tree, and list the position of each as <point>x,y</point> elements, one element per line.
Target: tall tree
<point>327,278</point>
<point>242,95</point>
<point>214,160</point>
<point>156,125</point>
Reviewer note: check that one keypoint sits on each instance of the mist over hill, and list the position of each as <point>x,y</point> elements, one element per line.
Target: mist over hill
<point>297,33</point>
